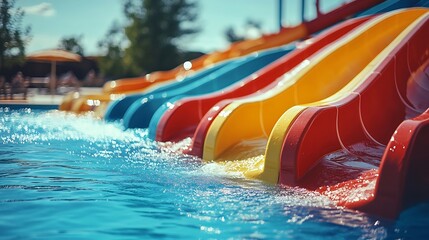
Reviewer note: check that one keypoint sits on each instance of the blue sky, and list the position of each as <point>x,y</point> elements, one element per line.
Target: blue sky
<point>50,20</point>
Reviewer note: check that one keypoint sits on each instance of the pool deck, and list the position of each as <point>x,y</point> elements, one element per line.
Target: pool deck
<point>37,100</point>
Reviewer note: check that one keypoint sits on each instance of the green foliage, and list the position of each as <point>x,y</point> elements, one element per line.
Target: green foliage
<point>72,44</point>
<point>154,30</point>
<point>153,34</point>
<point>12,37</point>
<point>112,63</point>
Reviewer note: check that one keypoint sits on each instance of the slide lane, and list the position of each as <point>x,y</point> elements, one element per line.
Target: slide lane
<point>390,5</point>
<point>403,172</point>
<point>229,137</point>
<point>139,113</point>
<point>181,118</point>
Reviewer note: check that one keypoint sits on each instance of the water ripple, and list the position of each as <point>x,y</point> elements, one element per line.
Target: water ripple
<point>68,176</point>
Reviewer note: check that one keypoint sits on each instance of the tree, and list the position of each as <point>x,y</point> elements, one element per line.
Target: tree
<point>12,37</point>
<point>153,34</point>
<point>72,44</point>
<point>154,31</point>
<point>112,46</point>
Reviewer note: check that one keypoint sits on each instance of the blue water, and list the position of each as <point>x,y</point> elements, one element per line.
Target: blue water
<point>69,177</point>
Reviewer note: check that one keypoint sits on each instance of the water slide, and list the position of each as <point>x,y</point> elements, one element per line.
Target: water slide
<point>286,35</point>
<point>362,128</point>
<point>403,173</point>
<point>178,120</point>
<point>139,113</point>
<point>390,5</point>
<point>364,51</point>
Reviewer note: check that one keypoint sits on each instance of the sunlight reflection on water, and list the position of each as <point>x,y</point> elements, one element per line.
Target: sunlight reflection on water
<point>71,176</point>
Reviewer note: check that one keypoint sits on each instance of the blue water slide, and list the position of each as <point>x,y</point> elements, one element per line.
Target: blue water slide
<point>390,5</point>
<point>423,3</point>
<point>141,111</point>
<point>116,109</point>
<point>154,121</point>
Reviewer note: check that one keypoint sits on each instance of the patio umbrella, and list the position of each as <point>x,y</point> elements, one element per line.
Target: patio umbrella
<point>53,56</point>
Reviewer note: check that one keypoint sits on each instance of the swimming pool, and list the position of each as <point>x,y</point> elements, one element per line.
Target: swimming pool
<point>69,177</point>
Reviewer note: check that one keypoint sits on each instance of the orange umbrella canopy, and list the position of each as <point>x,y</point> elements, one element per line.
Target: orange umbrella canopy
<point>54,55</point>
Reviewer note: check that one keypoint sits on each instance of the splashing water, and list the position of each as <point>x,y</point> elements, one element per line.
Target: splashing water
<point>67,176</point>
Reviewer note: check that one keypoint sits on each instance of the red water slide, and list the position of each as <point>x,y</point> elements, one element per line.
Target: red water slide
<point>336,149</point>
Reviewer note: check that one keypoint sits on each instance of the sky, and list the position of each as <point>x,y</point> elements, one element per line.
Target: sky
<point>51,20</point>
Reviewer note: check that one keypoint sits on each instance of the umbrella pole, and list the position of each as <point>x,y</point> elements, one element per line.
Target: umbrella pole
<point>53,78</point>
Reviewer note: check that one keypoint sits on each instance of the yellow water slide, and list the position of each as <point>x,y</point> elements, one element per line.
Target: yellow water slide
<point>241,131</point>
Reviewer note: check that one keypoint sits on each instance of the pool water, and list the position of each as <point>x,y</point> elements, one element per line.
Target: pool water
<point>69,177</point>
